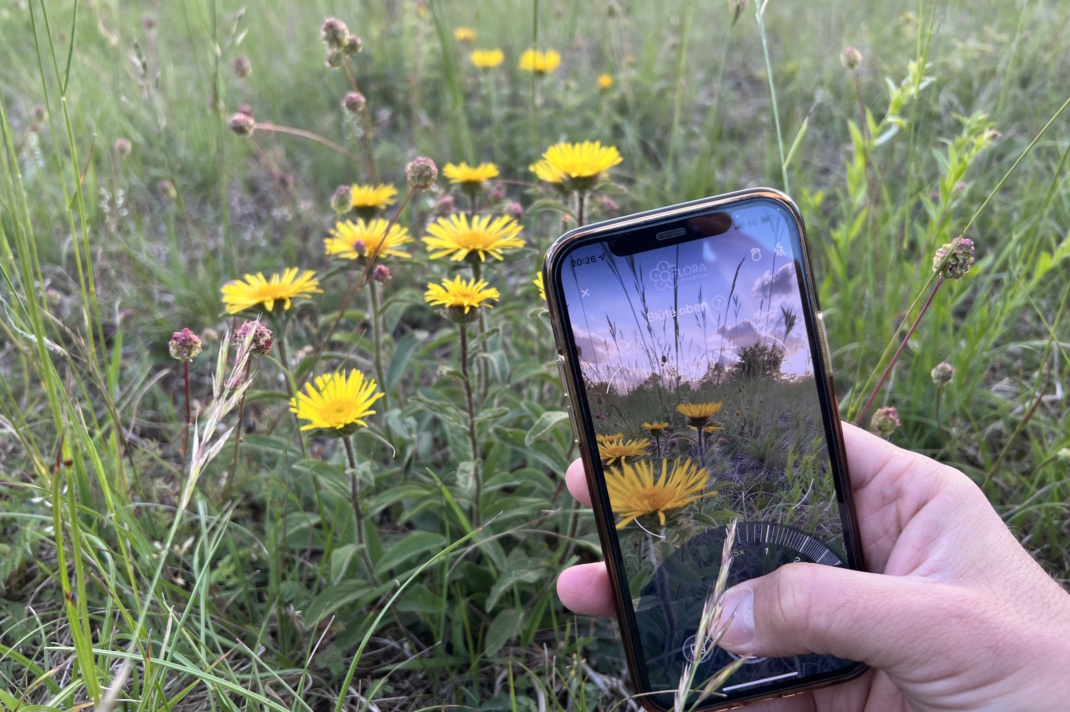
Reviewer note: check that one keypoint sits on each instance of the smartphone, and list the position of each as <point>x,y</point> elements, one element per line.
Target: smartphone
<point>693,354</point>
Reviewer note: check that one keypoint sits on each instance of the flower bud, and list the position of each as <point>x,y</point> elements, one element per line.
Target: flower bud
<point>959,254</point>
<point>334,33</point>
<point>942,374</point>
<point>885,422</point>
<point>381,274</point>
<point>242,124</point>
<point>242,67</point>
<point>353,102</point>
<point>184,345</point>
<point>342,200</point>
<point>514,209</point>
<point>421,173</point>
<point>851,58</point>
<point>497,192</point>
<point>246,109</point>
<point>353,45</point>
<point>260,342</point>
<point>123,147</point>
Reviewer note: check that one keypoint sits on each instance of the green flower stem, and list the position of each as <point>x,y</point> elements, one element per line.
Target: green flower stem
<point>895,357</point>
<point>377,340</point>
<point>352,291</point>
<point>372,173</point>
<point>358,507</point>
<point>581,205</point>
<point>477,475</point>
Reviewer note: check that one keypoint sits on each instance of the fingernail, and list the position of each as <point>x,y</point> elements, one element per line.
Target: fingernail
<point>739,608</point>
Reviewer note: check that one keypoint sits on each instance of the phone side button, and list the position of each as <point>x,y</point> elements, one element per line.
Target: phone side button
<point>561,374</point>
<point>572,423</point>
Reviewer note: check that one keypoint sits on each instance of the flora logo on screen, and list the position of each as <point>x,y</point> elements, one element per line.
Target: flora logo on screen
<point>667,274</point>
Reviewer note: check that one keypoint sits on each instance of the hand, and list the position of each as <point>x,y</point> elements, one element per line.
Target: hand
<point>959,616</point>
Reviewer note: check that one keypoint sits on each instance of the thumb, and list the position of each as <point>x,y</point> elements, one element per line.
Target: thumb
<point>810,608</point>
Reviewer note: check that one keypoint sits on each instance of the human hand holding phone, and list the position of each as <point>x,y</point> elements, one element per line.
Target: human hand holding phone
<point>958,615</point>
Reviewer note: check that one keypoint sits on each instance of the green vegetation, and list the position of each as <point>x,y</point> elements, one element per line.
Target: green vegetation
<point>284,573</point>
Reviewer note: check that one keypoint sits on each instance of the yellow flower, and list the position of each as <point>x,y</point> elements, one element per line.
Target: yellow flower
<point>460,293</point>
<point>606,438</point>
<point>542,63</point>
<point>605,81</point>
<point>580,163</point>
<point>351,240</point>
<point>336,402</point>
<point>617,450</point>
<point>239,295</point>
<point>456,237</point>
<point>538,283</point>
<point>633,491</point>
<point>464,34</point>
<point>656,427</point>
<point>486,58</point>
<point>374,196</point>
<point>467,175</point>
<point>698,414</point>
<point>709,429</point>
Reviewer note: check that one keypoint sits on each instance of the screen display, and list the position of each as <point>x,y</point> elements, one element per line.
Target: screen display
<point>698,377</point>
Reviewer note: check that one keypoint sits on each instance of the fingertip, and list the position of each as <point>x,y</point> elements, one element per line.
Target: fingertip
<point>576,479</point>
<point>585,589</point>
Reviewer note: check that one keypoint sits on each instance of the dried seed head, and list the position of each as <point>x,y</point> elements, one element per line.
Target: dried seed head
<point>959,258</point>
<point>381,274</point>
<point>514,209</point>
<point>334,33</point>
<point>421,173</point>
<point>942,373</point>
<point>885,422</point>
<point>354,102</point>
<point>123,147</point>
<point>851,58</point>
<point>445,205</point>
<point>242,66</point>
<point>184,345</point>
<point>353,45</point>
<point>242,124</point>
<point>342,200</point>
<point>261,342</point>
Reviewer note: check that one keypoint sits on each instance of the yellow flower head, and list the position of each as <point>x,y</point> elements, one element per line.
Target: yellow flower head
<point>656,428</point>
<point>336,402</point>
<point>467,175</point>
<point>618,450</point>
<point>698,414</point>
<point>486,58</point>
<point>605,81</point>
<point>577,166</point>
<point>352,240</point>
<point>634,491</point>
<point>458,294</point>
<point>374,196</point>
<point>608,438</point>
<point>538,283</point>
<point>256,290</point>
<point>455,237</point>
<point>709,429</point>
<point>464,34</point>
<point>542,63</point>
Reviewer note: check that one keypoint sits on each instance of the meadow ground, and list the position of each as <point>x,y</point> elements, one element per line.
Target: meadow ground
<point>153,153</point>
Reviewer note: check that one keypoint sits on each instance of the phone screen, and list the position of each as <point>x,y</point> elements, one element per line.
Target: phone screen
<point>698,377</point>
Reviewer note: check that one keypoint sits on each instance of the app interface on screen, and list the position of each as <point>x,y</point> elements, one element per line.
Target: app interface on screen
<point>699,379</point>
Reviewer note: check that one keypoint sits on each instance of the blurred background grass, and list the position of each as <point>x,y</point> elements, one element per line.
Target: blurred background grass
<point>193,206</point>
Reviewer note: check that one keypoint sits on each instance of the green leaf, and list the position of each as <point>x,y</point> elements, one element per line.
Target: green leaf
<point>503,628</point>
<point>402,355</point>
<point>415,543</point>
<point>545,422</point>
<point>351,592</point>
<point>341,558</point>
<point>519,571</point>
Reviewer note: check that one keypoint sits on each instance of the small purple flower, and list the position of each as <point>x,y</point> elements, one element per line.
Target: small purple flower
<point>184,345</point>
<point>885,422</point>
<point>421,173</point>
<point>261,342</point>
<point>959,254</point>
